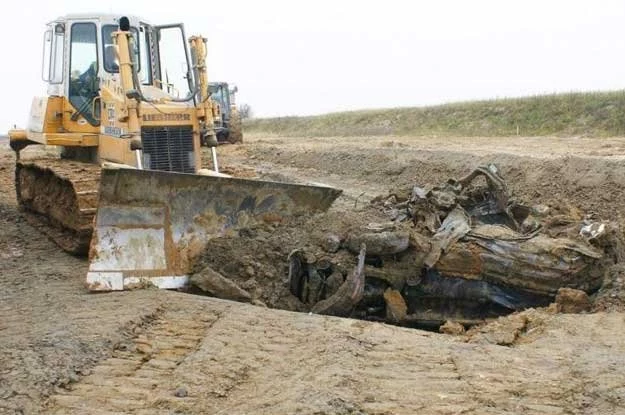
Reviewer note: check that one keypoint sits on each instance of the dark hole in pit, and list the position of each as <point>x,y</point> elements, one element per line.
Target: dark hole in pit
<point>430,303</point>
<point>302,280</point>
<point>429,299</point>
<point>433,300</point>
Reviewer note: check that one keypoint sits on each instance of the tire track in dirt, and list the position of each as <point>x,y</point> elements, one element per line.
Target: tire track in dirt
<point>137,378</point>
<point>253,360</point>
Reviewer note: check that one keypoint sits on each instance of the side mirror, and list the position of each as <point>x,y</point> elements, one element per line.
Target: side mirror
<point>124,24</point>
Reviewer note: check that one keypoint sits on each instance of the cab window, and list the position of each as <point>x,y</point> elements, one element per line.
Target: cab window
<point>54,43</point>
<point>111,63</point>
<point>84,84</point>
<point>144,41</point>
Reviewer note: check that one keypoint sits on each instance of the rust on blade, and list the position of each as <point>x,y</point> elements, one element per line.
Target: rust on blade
<point>151,223</point>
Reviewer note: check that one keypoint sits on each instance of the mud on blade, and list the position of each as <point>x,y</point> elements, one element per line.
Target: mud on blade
<point>150,223</point>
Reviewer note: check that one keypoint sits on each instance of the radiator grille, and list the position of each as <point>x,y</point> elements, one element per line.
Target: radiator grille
<point>168,148</point>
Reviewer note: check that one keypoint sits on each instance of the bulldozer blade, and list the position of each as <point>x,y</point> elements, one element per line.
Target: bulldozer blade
<point>151,224</point>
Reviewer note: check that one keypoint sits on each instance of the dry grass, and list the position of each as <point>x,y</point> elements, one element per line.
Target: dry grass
<point>596,114</point>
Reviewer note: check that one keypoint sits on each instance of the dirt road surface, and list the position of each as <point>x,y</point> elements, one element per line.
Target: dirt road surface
<point>65,351</point>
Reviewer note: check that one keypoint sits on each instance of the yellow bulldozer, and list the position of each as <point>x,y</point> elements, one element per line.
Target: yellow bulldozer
<point>228,128</point>
<point>128,106</point>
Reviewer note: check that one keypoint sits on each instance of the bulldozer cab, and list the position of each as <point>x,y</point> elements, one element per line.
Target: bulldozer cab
<point>80,53</point>
<point>220,93</point>
<point>120,79</point>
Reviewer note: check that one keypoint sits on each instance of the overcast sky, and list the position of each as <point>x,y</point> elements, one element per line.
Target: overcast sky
<point>310,57</point>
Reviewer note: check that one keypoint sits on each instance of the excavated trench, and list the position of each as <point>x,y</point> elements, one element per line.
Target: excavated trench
<point>463,251</point>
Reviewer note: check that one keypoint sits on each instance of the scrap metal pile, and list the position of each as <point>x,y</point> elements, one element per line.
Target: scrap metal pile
<point>462,251</point>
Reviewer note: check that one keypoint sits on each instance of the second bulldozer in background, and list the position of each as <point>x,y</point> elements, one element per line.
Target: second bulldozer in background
<point>228,128</point>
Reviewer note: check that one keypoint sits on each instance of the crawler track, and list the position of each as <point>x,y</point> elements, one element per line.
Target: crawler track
<point>60,198</point>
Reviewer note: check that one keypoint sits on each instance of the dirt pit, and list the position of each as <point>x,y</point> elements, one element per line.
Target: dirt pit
<point>462,252</point>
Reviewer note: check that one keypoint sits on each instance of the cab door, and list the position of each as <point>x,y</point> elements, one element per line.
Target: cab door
<point>84,83</point>
<point>176,76</point>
